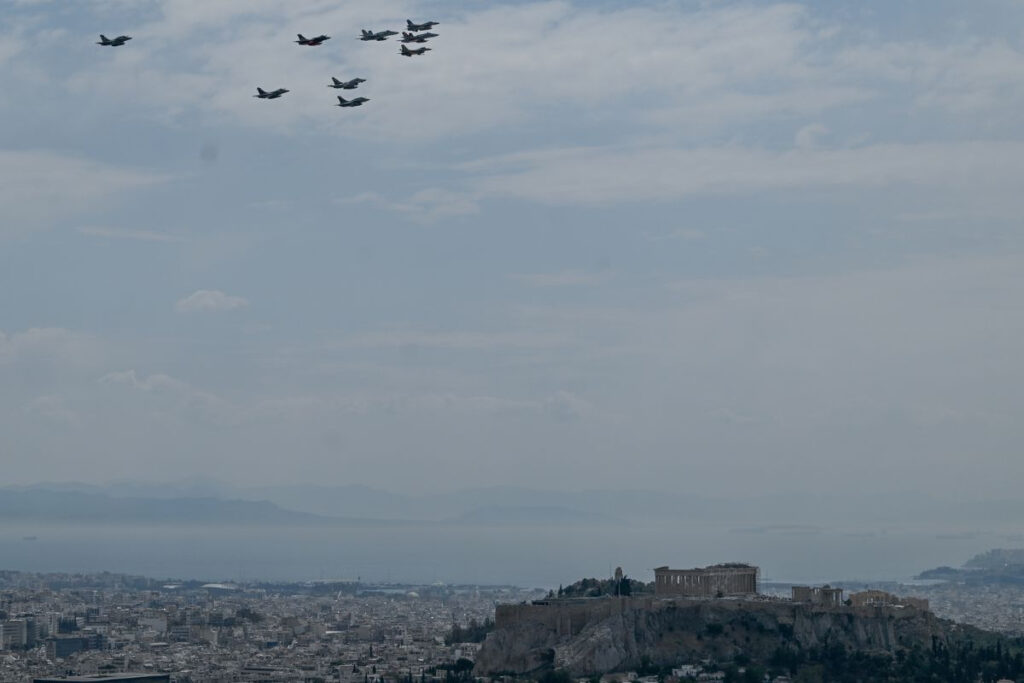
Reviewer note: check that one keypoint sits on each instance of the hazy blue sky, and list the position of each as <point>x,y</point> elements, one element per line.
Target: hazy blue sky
<point>714,246</point>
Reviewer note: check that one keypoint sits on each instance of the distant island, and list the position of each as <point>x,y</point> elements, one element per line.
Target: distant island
<point>997,566</point>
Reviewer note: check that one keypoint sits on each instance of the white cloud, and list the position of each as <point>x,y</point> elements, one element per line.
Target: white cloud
<point>52,343</point>
<point>683,234</point>
<point>707,114</point>
<point>629,174</point>
<point>565,278</point>
<point>138,235</point>
<point>808,136</point>
<point>873,370</point>
<point>54,409</point>
<point>180,400</point>
<point>177,398</point>
<point>565,406</point>
<point>435,203</point>
<point>10,47</point>
<point>152,383</point>
<point>209,300</point>
<point>427,206</point>
<point>884,370</point>
<point>973,76</point>
<point>459,340</point>
<point>37,187</point>
<point>361,198</point>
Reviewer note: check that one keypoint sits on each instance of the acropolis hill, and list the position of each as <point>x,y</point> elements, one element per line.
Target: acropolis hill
<point>588,636</point>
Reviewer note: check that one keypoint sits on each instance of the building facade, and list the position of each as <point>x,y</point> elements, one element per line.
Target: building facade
<point>818,595</point>
<point>65,646</point>
<point>876,598</point>
<point>720,580</point>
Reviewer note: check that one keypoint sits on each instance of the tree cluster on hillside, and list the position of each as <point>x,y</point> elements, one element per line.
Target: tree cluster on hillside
<point>474,632</point>
<point>460,671</point>
<point>593,588</point>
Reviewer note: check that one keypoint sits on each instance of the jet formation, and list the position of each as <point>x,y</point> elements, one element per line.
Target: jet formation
<point>414,33</point>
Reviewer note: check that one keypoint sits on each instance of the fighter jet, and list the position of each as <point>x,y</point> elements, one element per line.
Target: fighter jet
<point>416,37</point>
<point>312,42</point>
<point>406,52</point>
<point>346,85</point>
<point>115,42</point>
<point>355,102</point>
<point>426,26</point>
<point>272,95</point>
<point>379,35</point>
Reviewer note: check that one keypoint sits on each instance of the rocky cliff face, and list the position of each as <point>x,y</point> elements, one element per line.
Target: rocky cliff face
<point>601,635</point>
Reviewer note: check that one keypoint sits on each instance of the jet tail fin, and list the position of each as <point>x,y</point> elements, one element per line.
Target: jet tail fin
<point>336,81</point>
<point>261,91</point>
<point>301,37</point>
<point>104,38</point>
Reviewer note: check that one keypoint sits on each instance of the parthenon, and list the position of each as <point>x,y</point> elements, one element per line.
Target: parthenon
<point>718,580</point>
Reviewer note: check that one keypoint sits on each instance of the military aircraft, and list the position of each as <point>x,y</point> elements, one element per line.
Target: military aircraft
<point>272,95</point>
<point>346,85</point>
<point>312,42</point>
<point>115,42</point>
<point>406,52</point>
<point>379,35</point>
<point>355,102</point>
<point>417,37</point>
<point>426,26</point>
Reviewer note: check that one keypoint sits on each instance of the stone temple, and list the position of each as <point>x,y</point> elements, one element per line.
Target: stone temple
<point>720,580</point>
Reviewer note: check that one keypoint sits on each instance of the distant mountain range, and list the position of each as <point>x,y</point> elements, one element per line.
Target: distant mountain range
<point>209,499</point>
<point>67,506</point>
<point>326,504</point>
<point>504,515</point>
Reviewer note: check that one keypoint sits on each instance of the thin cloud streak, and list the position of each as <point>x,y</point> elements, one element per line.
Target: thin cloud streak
<point>38,187</point>
<point>137,235</point>
<point>565,278</point>
<point>598,176</point>
<point>209,301</point>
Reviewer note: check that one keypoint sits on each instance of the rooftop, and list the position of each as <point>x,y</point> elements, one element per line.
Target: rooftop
<point>110,678</point>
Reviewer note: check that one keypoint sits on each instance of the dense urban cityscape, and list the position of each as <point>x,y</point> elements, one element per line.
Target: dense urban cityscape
<point>201,633</point>
<point>61,626</point>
